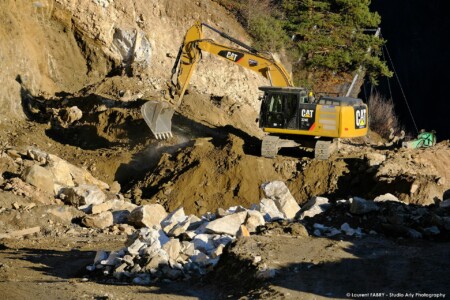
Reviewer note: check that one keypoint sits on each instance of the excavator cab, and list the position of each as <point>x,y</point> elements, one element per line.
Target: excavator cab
<point>280,107</point>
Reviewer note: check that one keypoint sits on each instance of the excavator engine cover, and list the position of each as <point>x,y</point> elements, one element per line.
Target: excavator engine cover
<point>158,116</point>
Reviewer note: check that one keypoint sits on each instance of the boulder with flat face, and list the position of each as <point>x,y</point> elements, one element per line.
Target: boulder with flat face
<point>83,196</point>
<point>227,225</point>
<point>360,206</point>
<point>254,219</point>
<point>39,177</point>
<point>147,215</point>
<point>280,194</point>
<point>101,220</point>
<point>315,206</point>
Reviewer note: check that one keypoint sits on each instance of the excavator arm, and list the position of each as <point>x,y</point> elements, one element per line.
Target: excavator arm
<point>158,114</point>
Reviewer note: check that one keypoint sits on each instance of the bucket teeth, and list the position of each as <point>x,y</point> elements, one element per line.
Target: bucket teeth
<point>163,135</point>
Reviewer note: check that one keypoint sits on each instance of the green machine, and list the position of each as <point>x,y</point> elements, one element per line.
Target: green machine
<point>424,140</point>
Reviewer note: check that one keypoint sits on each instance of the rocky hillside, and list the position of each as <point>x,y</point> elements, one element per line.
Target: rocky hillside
<point>50,47</point>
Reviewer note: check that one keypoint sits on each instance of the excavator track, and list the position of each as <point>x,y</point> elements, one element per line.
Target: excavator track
<point>270,146</point>
<point>324,149</point>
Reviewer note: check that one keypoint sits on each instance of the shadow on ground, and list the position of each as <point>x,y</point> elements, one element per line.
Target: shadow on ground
<point>307,268</point>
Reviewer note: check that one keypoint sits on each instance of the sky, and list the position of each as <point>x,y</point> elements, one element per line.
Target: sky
<point>417,34</point>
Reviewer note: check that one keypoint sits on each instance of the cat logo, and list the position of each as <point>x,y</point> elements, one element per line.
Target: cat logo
<point>307,113</point>
<point>230,55</point>
<point>360,118</point>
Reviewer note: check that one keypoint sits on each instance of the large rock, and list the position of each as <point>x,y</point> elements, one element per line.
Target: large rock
<point>179,228</point>
<point>172,219</point>
<point>132,47</point>
<point>254,219</point>
<point>147,215</point>
<point>159,259</point>
<point>204,242</point>
<point>228,225</point>
<point>39,177</point>
<point>269,210</point>
<point>67,175</point>
<point>65,213</point>
<point>315,206</point>
<point>386,197</point>
<point>136,247</point>
<point>173,248</point>
<point>280,194</point>
<point>83,196</point>
<point>101,220</point>
<point>102,207</point>
<point>359,206</point>
<point>113,205</point>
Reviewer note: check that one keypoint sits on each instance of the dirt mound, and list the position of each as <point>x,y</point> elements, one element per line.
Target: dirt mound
<point>211,174</point>
<point>414,176</point>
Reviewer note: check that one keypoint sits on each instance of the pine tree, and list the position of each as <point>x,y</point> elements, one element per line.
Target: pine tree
<point>332,36</point>
<point>322,36</point>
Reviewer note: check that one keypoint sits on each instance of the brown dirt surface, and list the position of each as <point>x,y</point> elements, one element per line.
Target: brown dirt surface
<point>323,268</point>
<point>213,173</point>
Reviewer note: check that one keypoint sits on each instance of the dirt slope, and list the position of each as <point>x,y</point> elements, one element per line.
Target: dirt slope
<point>50,46</point>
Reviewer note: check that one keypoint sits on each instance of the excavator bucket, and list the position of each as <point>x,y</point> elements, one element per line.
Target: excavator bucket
<point>158,116</point>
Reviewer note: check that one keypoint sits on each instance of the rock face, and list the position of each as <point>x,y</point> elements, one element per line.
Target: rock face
<point>67,175</point>
<point>314,206</point>
<point>269,210</point>
<point>109,35</point>
<point>386,197</point>
<point>132,47</point>
<point>173,219</point>
<point>254,219</point>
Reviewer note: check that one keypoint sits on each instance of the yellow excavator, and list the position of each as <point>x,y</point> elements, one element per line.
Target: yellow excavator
<point>290,115</point>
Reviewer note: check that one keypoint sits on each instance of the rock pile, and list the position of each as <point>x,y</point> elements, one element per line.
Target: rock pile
<point>44,179</point>
<point>176,246</point>
<point>385,215</point>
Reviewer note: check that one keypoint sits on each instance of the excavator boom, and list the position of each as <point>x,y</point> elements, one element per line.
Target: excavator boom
<point>158,114</point>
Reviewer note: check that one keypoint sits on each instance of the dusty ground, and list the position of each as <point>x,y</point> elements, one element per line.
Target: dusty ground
<point>63,56</point>
<point>205,170</point>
